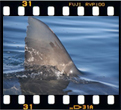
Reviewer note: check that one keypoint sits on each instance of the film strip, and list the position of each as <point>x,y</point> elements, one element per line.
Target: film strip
<point>59,8</point>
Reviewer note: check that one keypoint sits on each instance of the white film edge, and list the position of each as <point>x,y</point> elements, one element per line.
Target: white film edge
<point>66,10</point>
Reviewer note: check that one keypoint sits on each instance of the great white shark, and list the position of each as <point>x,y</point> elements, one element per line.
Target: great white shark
<point>42,47</point>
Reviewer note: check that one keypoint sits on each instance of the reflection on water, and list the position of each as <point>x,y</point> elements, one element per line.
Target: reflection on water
<point>92,43</point>
<point>22,84</point>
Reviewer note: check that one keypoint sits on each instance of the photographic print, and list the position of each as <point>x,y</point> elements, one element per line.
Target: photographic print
<point>73,55</point>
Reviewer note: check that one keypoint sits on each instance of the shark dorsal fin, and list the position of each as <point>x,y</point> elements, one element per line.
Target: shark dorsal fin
<point>42,47</point>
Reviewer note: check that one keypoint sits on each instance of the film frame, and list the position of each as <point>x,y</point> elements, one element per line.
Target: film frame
<point>58,99</point>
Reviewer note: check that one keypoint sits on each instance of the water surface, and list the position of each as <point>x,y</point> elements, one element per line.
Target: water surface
<point>92,42</point>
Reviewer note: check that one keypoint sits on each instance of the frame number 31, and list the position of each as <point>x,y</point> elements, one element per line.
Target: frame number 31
<point>26,3</point>
<point>26,106</point>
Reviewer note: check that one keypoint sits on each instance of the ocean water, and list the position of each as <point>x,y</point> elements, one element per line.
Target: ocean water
<point>92,42</point>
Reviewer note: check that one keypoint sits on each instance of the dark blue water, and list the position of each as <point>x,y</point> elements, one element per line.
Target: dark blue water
<point>92,43</point>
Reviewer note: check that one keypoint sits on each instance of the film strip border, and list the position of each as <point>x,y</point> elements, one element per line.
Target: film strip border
<point>51,11</point>
<point>59,9</point>
<point>61,101</point>
<point>41,8</point>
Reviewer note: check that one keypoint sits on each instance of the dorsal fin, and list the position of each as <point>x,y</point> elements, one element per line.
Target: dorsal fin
<point>44,48</point>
